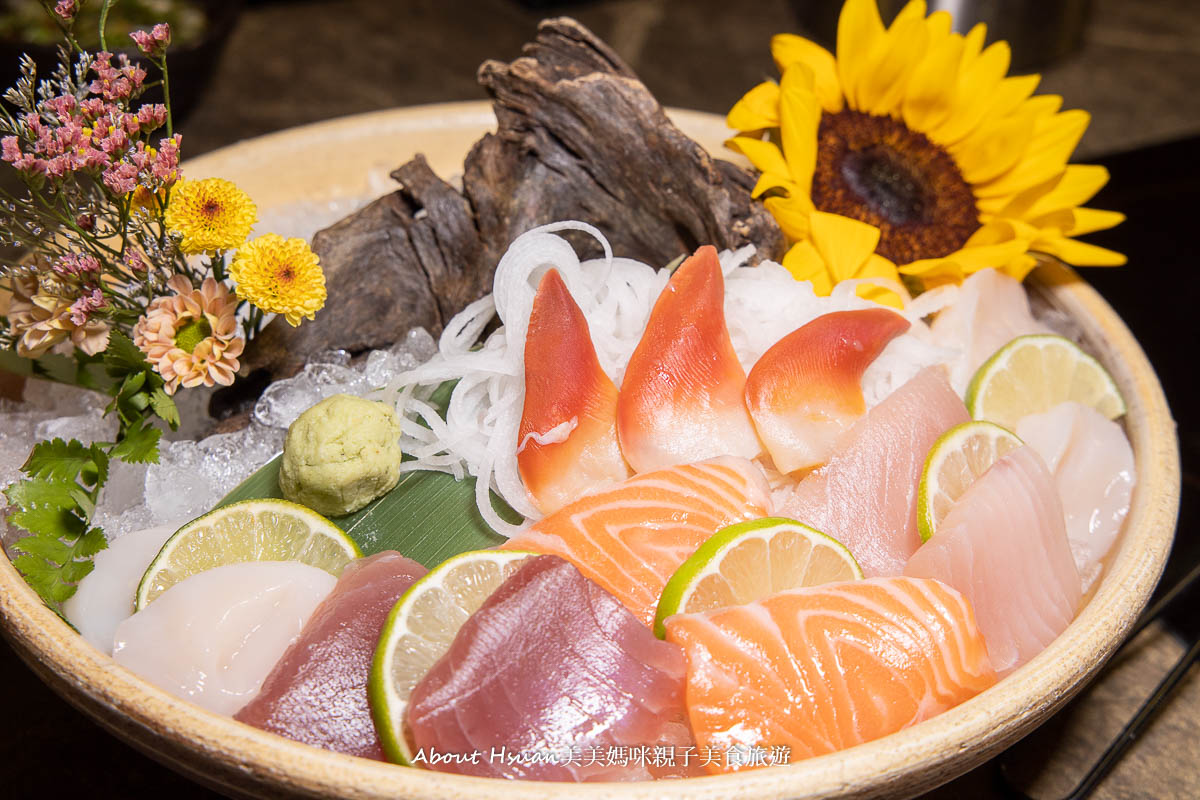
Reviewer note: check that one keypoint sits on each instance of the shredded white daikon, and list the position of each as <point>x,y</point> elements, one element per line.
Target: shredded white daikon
<point>478,435</point>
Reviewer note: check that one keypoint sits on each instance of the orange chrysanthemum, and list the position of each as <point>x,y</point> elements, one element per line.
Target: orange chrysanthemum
<point>190,337</point>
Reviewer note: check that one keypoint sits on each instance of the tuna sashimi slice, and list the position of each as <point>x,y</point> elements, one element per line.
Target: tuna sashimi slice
<point>631,537</point>
<point>681,398</point>
<point>811,671</point>
<point>1093,469</point>
<point>807,388</point>
<point>990,311</point>
<point>317,692</point>
<point>1003,544</point>
<point>551,664</point>
<point>866,496</point>
<point>565,388</point>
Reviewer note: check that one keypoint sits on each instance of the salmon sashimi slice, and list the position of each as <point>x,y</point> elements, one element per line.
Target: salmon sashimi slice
<point>682,397</point>
<point>553,664</point>
<point>565,390</point>
<point>866,496</point>
<point>807,388</point>
<point>1004,545</point>
<point>317,692</point>
<point>630,538</point>
<point>823,668</point>
<point>1093,468</point>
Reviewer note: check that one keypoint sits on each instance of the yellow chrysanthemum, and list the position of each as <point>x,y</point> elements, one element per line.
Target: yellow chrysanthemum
<point>919,132</point>
<point>212,215</point>
<point>280,276</point>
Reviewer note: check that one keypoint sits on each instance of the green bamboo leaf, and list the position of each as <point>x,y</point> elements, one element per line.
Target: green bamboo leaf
<point>428,517</point>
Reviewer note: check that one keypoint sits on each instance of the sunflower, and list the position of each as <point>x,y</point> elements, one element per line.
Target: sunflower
<point>211,215</point>
<point>280,276</point>
<point>920,133</point>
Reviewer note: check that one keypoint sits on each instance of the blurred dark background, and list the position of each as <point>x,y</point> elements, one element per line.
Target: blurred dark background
<point>274,64</point>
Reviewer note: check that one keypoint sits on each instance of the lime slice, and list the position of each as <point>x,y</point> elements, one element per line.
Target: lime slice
<point>745,562</point>
<point>420,629</point>
<point>956,459</point>
<point>253,530</point>
<point>1032,374</point>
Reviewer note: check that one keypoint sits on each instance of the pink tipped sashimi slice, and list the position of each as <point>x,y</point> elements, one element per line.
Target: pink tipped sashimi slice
<point>565,386</point>
<point>317,692</point>
<point>1004,545</point>
<point>551,664</point>
<point>866,496</point>
<point>682,397</point>
<point>804,391</point>
<point>630,538</point>
<point>811,671</point>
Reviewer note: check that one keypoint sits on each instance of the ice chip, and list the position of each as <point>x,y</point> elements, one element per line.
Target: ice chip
<point>338,358</point>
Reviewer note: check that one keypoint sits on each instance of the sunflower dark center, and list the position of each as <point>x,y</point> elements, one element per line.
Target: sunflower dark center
<point>876,170</point>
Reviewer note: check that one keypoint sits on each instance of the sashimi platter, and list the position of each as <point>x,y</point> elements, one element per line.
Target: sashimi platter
<point>778,455</point>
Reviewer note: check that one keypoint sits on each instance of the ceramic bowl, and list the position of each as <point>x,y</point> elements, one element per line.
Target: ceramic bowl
<point>331,164</point>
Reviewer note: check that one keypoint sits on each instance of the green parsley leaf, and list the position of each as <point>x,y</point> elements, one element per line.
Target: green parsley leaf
<point>57,459</point>
<point>139,445</point>
<point>123,356</point>
<point>165,408</point>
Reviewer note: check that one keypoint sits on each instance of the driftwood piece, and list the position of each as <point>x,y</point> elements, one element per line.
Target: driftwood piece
<point>578,137</point>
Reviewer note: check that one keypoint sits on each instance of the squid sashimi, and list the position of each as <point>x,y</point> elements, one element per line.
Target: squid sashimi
<point>317,692</point>
<point>682,397</point>
<point>630,538</point>
<point>819,669</point>
<point>866,496</point>
<point>807,388</point>
<point>551,663</point>
<point>215,636</point>
<point>990,311</point>
<point>1093,469</point>
<point>565,390</point>
<point>1003,544</point>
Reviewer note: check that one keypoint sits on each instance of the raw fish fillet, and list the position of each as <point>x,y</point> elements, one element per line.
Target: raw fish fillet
<point>1004,546</point>
<point>866,496</point>
<point>551,663</point>
<point>317,693</point>
<point>807,388</point>
<point>565,385</point>
<point>213,637</point>
<point>992,309</point>
<point>682,397</point>
<point>819,669</point>
<point>1092,464</point>
<point>630,538</point>
<point>105,596</point>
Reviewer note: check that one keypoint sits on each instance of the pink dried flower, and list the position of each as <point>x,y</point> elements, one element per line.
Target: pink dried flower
<point>82,308</point>
<point>67,9</point>
<point>77,264</point>
<point>121,178</point>
<point>135,261</point>
<point>10,149</point>
<point>151,117</point>
<point>86,221</point>
<point>155,42</point>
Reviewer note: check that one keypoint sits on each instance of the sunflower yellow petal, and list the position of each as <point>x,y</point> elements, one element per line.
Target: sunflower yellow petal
<point>806,264</point>
<point>765,156</point>
<point>1090,220</point>
<point>769,181</point>
<point>791,213</point>
<point>1050,147</point>
<point>876,266</point>
<point>998,245</point>
<point>881,87</point>
<point>930,96</point>
<point>1077,185</point>
<point>1020,266</point>
<point>1081,254</point>
<point>979,79</point>
<point>799,115</point>
<point>788,49</point>
<point>758,109</point>
<point>991,151</point>
<point>934,271</point>
<point>859,29</point>
<point>973,43</point>
<point>843,242</point>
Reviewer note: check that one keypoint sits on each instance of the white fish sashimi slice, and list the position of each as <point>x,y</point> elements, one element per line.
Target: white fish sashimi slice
<point>1004,545</point>
<point>991,310</point>
<point>105,596</point>
<point>1093,468</point>
<point>215,636</point>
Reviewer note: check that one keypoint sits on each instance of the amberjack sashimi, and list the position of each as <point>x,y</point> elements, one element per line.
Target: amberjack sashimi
<point>317,692</point>
<point>551,664</point>
<point>866,496</point>
<point>807,388</point>
<point>822,668</point>
<point>630,538</point>
<point>682,397</point>
<point>1004,545</point>
<point>565,386</point>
